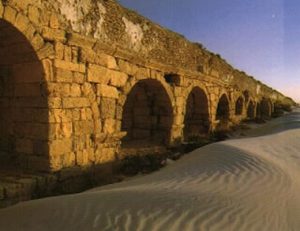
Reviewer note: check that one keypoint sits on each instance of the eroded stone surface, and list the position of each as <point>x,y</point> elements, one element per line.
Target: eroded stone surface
<point>85,83</point>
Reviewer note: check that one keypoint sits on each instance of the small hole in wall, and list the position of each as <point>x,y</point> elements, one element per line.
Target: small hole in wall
<point>172,79</point>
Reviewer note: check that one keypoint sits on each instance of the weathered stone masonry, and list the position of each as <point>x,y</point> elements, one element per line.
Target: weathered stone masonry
<point>85,83</point>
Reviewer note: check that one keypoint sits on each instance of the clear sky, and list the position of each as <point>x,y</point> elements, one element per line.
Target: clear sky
<point>261,37</point>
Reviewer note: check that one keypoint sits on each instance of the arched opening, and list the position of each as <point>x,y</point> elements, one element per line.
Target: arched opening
<point>246,95</point>
<point>223,113</point>
<point>223,108</point>
<point>251,110</point>
<point>23,108</point>
<point>239,105</point>
<point>147,115</point>
<point>196,120</point>
<point>265,108</point>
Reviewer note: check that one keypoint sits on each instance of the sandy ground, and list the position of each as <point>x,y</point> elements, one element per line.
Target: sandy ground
<point>240,184</point>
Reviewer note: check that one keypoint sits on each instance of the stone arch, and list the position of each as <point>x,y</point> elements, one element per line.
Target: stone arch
<point>239,106</point>
<point>265,108</point>
<point>223,108</point>
<point>196,119</point>
<point>251,110</point>
<point>23,104</point>
<point>147,116</point>
<point>246,96</point>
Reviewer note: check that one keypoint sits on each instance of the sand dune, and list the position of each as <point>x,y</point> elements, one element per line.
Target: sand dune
<point>240,184</point>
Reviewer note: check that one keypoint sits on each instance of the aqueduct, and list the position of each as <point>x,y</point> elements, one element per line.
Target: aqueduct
<point>83,83</point>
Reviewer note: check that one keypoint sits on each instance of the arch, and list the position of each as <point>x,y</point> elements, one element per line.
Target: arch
<point>147,115</point>
<point>251,110</point>
<point>265,108</point>
<point>223,108</point>
<point>23,105</point>
<point>239,106</point>
<point>246,95</point>
<point>196,120</point>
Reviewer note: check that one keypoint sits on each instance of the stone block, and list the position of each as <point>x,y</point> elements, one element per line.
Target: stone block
<point>127,67</point>
<point>59,50</point>
<point>34,14</point>
<point>109,126</point>
<point>83,127</point>
<point>80,40</point>
<point>75,102</point>
<point>68,54</point>
<point>54,102</point>
<point>58,89</point>
<point>98,74</point>
<point>66,130</point>
<point>68,160</point>
<point>10,14</point>
<point>37,42</point>
<point>107,91</point>
<point>22,23</point>
<point>75,90</point>
<point>59,147</point>
<point>78,77</point>
<point>69,66</point>
<point>47,51</point>
<point>54,34</point>
<point>89,55</point>
<point>81,158</point>
<point>75,54</point>
<point>63,75</point>
<point>118,79</point>
<point>89,91</point>
<point>107,108</point>
<point>54,21</point>
<point>48,69</point>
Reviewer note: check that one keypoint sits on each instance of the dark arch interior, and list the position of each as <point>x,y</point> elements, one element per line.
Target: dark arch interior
<point>223,109</point>
<point>196,121</point>
<point>147,115</point>
<point>265,108</point>
<point>23,109</point>
<point>239,105</point>
<point>251,110</point>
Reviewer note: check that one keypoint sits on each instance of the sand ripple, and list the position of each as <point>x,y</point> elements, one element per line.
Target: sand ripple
<point>242,184</point>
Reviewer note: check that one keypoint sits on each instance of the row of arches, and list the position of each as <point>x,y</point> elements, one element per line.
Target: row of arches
<point>148,113</point>
<point>147,117</point>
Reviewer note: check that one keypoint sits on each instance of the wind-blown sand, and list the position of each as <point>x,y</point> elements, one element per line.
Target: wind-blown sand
<point>241,184</point>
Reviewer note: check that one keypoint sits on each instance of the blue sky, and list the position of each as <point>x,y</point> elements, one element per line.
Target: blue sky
<point>261,37</point>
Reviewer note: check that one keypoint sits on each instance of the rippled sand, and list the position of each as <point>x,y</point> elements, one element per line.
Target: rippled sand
<point>241,184</point>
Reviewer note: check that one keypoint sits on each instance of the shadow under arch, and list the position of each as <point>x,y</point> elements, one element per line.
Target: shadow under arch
<point>265,108</point>
<point>147,115</point>
<point>239,106</point>
<point>196,120</point>
<point>223,113</point>
<point>24,120</point>
<point>251,110</point>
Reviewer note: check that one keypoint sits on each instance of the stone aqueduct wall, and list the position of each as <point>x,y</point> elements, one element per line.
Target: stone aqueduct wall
<point>87,82</point>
